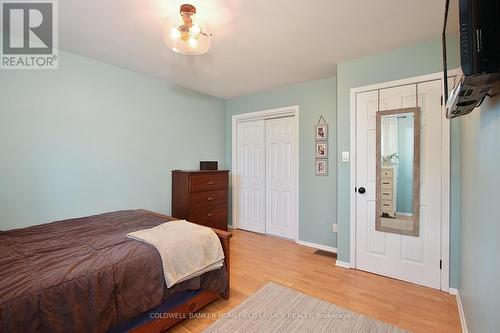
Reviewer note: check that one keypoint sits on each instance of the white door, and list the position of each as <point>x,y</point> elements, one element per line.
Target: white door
<point>409,258</point>
<point>251,182</point>
<point>280,177</point>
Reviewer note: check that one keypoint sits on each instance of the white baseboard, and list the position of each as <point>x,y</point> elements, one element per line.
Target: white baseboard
<point>318,246</point>
<point>461,312</point>
<point>343,264</point>
<point>453,291</point>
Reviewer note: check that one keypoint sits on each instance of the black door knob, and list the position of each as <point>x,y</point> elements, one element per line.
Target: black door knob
<point>361,190</point>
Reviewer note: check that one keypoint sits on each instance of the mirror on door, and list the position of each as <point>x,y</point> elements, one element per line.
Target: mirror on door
<point>398,171</point>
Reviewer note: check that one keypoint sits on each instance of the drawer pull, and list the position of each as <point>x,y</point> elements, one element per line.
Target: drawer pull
<point>211,183</point>
<point>210,214</point>
<point>210,198</point>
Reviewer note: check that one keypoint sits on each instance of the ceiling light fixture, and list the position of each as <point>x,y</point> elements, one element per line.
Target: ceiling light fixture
<point>186,36</point>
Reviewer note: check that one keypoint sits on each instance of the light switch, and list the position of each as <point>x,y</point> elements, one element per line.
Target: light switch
<point>345,156</point>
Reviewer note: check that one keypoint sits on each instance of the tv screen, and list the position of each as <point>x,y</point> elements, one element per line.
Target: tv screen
<point>450,42</point>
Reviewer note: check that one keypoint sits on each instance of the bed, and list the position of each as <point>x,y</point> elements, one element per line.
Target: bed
<point>85,275</point>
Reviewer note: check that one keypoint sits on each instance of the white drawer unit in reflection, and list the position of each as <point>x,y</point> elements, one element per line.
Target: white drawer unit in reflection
<point>389,189</point>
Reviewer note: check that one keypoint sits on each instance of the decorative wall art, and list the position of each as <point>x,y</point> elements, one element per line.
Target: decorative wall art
<point>321,147</point>
<point>321,167</point>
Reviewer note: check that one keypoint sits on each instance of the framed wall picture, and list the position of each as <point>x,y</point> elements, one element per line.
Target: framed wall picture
<point>321,167</point>
<point>321,132</point>
<point>321,149</point>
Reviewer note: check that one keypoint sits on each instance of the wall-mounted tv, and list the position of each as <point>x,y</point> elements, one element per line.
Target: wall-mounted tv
<point>479,43</point>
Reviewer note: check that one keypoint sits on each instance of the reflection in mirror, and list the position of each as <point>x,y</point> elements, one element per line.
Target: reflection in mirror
<point>398,159</point>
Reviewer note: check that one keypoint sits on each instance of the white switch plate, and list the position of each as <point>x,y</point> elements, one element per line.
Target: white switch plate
<point>334,227</point>
<point>345,156</point>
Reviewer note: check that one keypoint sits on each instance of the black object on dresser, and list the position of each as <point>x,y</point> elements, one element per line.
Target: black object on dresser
<point>209,165</point>
<point>201,197</point>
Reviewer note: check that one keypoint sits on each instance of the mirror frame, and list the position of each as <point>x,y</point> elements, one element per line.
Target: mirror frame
<point>416,172</point>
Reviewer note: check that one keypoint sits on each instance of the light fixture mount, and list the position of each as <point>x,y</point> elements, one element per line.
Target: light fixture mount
<point>184,34</point>
<point>186,12</point>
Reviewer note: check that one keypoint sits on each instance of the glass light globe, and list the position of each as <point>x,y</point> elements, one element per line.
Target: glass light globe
<point>190,40</point>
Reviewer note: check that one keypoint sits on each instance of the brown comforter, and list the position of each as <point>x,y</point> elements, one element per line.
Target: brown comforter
<point>84,275</point>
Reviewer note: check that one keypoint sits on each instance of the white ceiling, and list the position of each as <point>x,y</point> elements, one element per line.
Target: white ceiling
<point>257,44</point>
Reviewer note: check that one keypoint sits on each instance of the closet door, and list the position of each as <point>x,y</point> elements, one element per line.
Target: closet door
<point>280,177</point>
<point>250,172</point>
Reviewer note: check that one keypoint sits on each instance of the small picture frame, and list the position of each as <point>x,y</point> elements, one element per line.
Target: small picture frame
<point>321,132</point>
<point>321,167</point>
<point>321,149</point>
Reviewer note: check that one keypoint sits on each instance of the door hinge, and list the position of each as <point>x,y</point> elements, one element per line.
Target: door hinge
<point>440,264</point>
<point>441,99</point>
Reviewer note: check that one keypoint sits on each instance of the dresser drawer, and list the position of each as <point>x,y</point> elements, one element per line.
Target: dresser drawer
<point>208,182</point>
<point>387,207</point>
<point>220,224</point>
<point>386,194</point>
<point>387,173</point>
<point>214,216</point>
<point>208,198</point>
<point>387,183</point>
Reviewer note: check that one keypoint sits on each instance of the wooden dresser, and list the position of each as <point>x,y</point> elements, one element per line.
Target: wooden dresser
<point>201,197</point>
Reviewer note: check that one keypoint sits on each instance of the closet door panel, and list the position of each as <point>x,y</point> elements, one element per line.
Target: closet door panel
<point>280,177</point>
<point>250,173</point>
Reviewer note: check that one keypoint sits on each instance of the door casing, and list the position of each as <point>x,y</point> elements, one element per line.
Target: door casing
<point>445,172</point>
<point>262,115</point>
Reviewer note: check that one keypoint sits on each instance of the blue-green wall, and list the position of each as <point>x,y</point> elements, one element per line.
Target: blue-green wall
<point>408,61</point>
<point>404,200</point>
<point>91,137</point>
<point>318,194</point>
<point>480,199</point>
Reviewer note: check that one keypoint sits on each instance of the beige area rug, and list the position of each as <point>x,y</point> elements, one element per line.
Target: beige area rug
<point>275,308</point>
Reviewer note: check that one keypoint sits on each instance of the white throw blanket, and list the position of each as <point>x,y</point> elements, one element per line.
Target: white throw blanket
<point>186,249</point>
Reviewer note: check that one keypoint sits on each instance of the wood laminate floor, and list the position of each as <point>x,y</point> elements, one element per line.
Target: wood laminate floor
<point>258,259</point>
